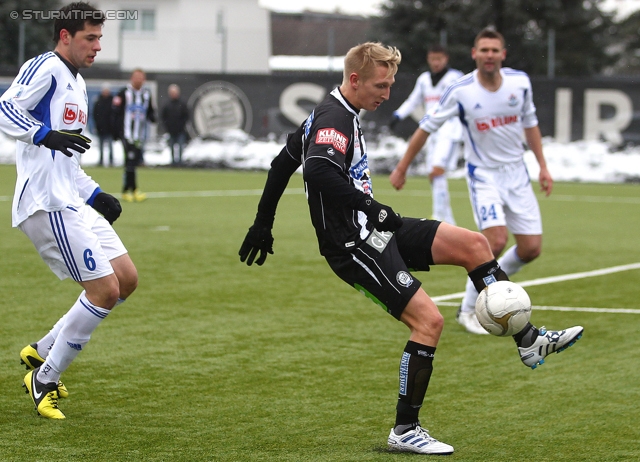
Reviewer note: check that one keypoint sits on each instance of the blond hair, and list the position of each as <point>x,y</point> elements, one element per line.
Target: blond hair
<point>364,58</point>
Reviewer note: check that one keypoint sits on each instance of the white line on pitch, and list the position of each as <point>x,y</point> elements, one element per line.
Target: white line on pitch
<point>565,277</point>
<point>566,308</point>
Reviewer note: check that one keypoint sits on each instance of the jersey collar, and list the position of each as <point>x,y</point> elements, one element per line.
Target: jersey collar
<point>338,95</point>
<point>71,67</point>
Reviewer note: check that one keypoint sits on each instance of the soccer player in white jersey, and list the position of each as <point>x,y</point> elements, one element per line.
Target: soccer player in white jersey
<point>56,203</point>
<point>444,145</point>
<point>495,106</point>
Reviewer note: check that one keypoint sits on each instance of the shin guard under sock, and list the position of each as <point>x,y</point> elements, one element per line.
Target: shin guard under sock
<point>415,372</point>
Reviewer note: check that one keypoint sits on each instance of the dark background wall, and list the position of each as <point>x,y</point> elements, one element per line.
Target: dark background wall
<point>264,104</point>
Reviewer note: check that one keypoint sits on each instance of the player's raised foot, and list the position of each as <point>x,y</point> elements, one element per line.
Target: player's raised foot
<point>419,441</point>
<point>469,321</point>
<point>31,359</point>
<point>139,196</point>
<point>549,341</point>
<point>44,396</point>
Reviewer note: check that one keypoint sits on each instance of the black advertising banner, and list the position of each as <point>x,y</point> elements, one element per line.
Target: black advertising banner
<point>267,105</point>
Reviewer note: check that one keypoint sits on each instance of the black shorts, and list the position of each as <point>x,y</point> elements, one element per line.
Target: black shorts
<point>380,267</point>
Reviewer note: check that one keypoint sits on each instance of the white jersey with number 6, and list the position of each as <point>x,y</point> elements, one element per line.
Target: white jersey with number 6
<point>45,95</point>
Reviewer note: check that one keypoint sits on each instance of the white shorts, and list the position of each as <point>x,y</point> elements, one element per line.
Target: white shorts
<point>75,242</point>
<point>442,151</point>
<point>504,197</point>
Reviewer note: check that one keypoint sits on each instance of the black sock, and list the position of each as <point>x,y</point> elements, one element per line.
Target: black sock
<point>487,273</point>
<point>526,336</point>
<point>415,372</point>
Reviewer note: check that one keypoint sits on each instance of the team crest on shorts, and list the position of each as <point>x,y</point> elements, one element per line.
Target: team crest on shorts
<point>404,278</point>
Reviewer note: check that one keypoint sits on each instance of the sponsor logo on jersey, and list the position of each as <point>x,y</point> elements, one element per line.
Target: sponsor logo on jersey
<point>70,113</point>
<point>330,151</point>
<point>69,87</point>
<point>333,137</point>
<point>484,124</point>
<point>379,239</point>
<point>360,170</point>
<point>19,93</point>
<point>513,100</point>
<point>308,122</point>
<point>73,113</point>
<point>404,278</point>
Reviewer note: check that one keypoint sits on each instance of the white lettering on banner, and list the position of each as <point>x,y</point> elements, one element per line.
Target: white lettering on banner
<point>594,126</point>
<point>611,128</point>
<point>564,102</point>
<point>291,97</point>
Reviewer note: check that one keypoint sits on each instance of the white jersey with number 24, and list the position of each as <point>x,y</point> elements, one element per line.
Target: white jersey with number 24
<point>493,121</point>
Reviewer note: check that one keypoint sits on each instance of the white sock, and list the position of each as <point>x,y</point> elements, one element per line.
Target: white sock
<point>510,262</point>
<point>45,344</point>
<point>441,204</point>
<point>470,296</point>
<point>81,320</point>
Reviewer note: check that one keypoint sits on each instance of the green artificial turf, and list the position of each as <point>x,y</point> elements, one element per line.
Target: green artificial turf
<point>211,360</point>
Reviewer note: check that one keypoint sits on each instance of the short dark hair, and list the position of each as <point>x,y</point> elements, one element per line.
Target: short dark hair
<point>73,18</point>
<point>490,33</point>
<point>437,48</point>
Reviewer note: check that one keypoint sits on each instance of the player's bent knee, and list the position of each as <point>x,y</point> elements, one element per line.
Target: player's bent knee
<point>530,254</point>
<point>479,248</point>
<point>128,286</point>
<point>424,319</point>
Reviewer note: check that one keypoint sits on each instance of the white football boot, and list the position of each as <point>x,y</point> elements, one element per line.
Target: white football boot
<point>549,341</point>
<point>469,321</point>
<point>419,441</point>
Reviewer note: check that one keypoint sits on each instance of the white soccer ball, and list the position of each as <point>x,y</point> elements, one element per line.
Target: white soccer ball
<point>503,308</point>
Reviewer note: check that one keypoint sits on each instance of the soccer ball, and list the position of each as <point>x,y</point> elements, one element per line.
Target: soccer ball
<point>503,308</point>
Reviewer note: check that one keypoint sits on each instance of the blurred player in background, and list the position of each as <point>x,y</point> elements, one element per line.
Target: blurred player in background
<point>103,119</point>
<point>175,115</point>
<point>45,110</point>
<point>496,107</point>
<point>444,145</point>
<point>368,245</point>
<point>133,113</point>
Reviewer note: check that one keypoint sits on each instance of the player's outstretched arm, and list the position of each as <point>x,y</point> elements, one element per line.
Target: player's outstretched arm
<point>399,175</point>
<point>259,241</point>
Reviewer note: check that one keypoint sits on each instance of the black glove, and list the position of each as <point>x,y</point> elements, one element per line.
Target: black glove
<point>258,238</point>
<point>63,140</point>
<point>394,120</point>
<point>108,206</point>
<point>382,216</point>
